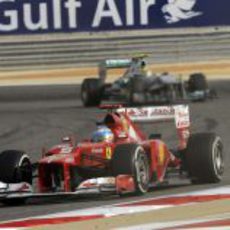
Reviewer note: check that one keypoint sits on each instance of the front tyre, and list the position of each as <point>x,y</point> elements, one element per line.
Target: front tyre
<point>205,158</point>
<point>131,159</point>
<point>15,167</point>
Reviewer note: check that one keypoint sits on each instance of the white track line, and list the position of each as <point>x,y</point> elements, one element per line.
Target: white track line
<point>124,208</point>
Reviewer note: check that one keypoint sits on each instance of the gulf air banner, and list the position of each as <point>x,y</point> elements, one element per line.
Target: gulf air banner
<point>45,16</point>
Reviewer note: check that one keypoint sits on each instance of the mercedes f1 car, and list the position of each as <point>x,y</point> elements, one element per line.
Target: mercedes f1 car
<point>117,159</point>
<point>138,86</point>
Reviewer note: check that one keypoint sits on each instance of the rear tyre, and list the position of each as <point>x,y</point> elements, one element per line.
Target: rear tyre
<point>15,168</point>
<point>130,159</point>
<point>205,158</point>
<point>197,82</point>
<point>91,92</point>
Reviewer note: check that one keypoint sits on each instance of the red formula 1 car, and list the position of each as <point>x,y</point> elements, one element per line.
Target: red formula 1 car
<point>117,159</point>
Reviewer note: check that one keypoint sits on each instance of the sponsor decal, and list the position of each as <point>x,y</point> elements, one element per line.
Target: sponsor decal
<point>19,187</point>
<point>42,16</point>
<point>61,156</point>
<point>52,158</point>
<point>96,182</point>
<point>182,118</point>
<point>88,184</point>
<point>71,14</point>
<point>149,113</point>
<point>177,10</point>
<point>97,150</point>
<point>108,153</point>
<point>162,111</point>
<point>180,113</point>
<point>138,112</point>
<point>65,149</point>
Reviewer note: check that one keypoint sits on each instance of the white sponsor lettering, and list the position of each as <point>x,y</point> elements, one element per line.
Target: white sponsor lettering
<point>111,12</point>
<point>182,118</point>
<point>56,14</point>
<point>66,149</point>
<point>129,12</point>
<point>144,8</point>
<point>11,16</point>
<point>100,150</point>
<point>13,19</point>
<point>96,182</point>
<point>44,15</point>
<point>71,6</point>
<point>179,113</point>
<point>42,22</point>
<point>163,111</point>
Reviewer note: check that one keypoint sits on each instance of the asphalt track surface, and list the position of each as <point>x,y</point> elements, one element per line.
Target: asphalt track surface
<point>38,116</point>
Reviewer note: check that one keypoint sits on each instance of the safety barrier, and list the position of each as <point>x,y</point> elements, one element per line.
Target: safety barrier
<point>78,50</point>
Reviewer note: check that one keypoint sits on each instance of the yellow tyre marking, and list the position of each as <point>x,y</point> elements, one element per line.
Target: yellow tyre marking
<point>161,157</point>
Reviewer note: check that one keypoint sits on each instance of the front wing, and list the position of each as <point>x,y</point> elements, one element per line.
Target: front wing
<point>103,185</point>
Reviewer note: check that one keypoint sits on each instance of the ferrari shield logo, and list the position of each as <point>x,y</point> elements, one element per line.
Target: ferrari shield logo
<point>108,153</point>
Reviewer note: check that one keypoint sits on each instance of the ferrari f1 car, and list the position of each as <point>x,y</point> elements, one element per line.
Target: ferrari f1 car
<point>117,159</point>
<point>138,86</point>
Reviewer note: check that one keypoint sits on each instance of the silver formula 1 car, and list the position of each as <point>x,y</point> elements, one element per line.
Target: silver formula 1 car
<point>138,86</point>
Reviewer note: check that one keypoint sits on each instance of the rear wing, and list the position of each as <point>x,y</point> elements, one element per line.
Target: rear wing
<point>178,113</point>
<point>112,64</point>
<point>118,64</point>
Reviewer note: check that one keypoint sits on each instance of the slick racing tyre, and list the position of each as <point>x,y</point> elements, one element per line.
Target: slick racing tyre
<point>205,158</point>
<point>197,82</point>
<point>130,159</point>
<point>91,92</point>
<point>15,167</point>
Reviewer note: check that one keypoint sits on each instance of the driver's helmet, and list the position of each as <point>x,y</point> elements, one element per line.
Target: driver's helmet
<point>102,134</point>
